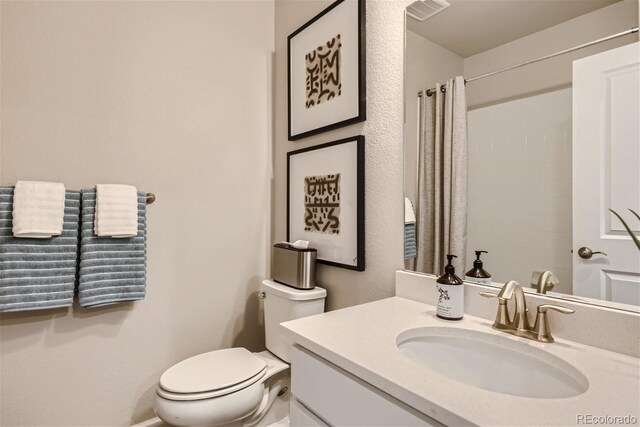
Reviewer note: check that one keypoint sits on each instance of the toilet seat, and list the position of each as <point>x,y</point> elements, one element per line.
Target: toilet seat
<point>213,393</point>
<point>212,374</point>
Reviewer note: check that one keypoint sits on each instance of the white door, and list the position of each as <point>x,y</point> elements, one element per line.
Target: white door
<point>606,174</point>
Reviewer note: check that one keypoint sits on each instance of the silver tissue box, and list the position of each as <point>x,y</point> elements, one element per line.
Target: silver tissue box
<point>294,267</point>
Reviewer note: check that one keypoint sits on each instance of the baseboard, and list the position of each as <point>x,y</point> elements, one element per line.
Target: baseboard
<point>153,422</point>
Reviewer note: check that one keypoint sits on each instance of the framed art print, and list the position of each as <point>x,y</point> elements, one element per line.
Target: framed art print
<point>325,201</point>
<point>326,70</point>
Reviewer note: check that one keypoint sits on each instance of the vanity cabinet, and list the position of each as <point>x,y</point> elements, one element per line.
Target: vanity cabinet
<point>323,394</point>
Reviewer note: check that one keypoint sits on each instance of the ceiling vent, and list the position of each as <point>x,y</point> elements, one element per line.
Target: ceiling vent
<point>423,9</point>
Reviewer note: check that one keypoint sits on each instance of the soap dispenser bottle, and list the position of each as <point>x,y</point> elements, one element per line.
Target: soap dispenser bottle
<point>478,274</point>
<point>450,293</point>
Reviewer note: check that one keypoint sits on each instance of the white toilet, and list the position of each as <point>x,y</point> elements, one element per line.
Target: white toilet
<point>233,385</point>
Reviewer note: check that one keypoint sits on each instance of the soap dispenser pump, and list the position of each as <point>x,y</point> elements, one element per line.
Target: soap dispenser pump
<point>478,274</point>
<point>450,293</point>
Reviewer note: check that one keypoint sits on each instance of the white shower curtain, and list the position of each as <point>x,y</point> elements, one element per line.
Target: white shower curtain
<point>442,179</point>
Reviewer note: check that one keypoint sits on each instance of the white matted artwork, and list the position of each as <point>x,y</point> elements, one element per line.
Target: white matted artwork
<point>326,76</point>
<point>325,201</point>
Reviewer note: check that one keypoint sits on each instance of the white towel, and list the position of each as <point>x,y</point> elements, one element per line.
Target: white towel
<point>116,211</point>
<point>409,213</point>
<point>38,209</point>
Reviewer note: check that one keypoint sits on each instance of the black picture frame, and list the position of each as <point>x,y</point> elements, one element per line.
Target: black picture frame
<point>358,263</point>
<point>361,61</point>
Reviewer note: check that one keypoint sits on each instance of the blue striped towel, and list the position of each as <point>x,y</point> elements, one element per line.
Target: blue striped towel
<point>112,270</point>
<point>410,247</point>
<point>37,274</point>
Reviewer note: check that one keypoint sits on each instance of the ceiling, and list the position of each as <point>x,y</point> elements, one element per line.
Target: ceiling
<point>468,27</point>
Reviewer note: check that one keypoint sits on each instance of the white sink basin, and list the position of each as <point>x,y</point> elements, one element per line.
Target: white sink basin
<point>492,362</point>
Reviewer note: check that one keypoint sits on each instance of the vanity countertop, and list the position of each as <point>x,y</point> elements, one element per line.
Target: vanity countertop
<point>362,341</point>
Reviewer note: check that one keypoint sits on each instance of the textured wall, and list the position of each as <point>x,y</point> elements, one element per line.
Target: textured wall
<point>175,98</point>
<point>383,148</point>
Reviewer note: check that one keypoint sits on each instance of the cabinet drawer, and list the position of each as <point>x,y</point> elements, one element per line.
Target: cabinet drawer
<point>341,399</point>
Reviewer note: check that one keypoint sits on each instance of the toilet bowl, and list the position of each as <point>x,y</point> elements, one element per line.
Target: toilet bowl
<point>233,385</point>
<point>218,388</point>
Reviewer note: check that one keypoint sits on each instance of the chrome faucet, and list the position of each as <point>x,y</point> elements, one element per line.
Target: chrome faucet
<point>519,325</point>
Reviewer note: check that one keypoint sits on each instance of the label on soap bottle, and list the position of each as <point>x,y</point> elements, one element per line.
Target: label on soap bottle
<point>479,280</point>
<point>450,301</point>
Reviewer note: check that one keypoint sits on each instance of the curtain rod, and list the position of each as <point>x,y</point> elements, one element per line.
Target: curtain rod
<point>531,61</point>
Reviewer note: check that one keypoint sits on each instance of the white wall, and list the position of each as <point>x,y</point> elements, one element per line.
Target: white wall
<point>175,98</point>
<point>383,148</point>
<point>550,74</point>
<point>520,188</point>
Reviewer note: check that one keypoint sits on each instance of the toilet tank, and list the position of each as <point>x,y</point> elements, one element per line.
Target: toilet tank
<point>283,303</point>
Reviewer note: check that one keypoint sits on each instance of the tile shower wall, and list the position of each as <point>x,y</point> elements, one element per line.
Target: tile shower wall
<point>520,187</point>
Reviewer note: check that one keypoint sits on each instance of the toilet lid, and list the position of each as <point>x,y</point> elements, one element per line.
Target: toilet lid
<point>215,370</point>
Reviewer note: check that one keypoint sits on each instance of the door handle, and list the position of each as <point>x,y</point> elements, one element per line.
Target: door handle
<point>586,253</point>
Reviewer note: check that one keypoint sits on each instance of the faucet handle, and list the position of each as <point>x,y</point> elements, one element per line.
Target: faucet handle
<point>564,310</point>
<point>502,316</point>
<point>488,295</point>
<point>541,327</point>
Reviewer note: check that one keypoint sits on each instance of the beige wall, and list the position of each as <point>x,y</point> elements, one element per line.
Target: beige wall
<point>426,64</point>
<point>552,73</point>
<point>383,148</point>
<point>173,97</point>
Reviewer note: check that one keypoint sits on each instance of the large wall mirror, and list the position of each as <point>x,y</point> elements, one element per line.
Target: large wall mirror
<point>533,151</point>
